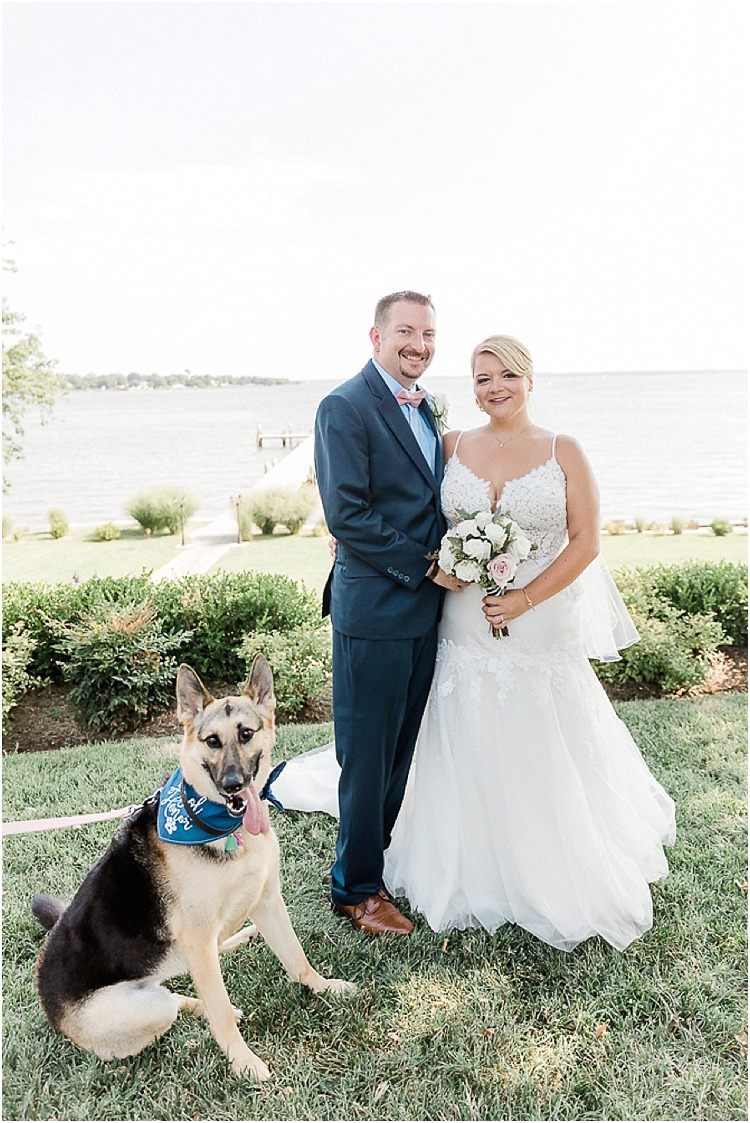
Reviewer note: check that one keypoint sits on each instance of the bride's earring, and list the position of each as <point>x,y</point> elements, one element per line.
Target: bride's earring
<point>478,404</point>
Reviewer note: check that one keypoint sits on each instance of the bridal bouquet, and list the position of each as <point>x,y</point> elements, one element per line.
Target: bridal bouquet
<point>485,549</point>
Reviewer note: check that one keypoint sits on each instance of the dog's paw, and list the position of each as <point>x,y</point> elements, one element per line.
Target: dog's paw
<point>247,1064</point>
<point>339,986</point>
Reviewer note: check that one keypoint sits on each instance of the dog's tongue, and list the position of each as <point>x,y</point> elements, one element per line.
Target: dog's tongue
<point>255,819</point>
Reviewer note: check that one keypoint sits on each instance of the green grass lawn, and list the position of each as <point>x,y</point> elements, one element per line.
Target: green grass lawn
<point>467,1026</point>
<point>39,557</point>
<point>305,557</point>
<point>650,549</point>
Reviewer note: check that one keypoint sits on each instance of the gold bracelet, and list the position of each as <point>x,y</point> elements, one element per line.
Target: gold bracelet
<point>529,601</point>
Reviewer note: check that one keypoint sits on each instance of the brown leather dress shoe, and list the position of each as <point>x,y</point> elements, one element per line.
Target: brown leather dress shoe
<point>377,915</point>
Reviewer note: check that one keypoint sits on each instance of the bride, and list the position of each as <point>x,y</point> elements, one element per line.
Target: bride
<point>528,801</point>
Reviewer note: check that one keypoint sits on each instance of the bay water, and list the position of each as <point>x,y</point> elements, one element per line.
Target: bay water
<point>661,444</point>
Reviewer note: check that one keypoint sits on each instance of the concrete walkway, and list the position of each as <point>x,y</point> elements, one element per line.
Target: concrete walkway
<point>208,544</point>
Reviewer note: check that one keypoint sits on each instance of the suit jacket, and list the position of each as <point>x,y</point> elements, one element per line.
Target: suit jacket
<point>382,504</point>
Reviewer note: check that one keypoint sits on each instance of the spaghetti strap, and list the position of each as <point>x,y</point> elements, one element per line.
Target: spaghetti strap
<point>554,446</point>
<point>458,442</point>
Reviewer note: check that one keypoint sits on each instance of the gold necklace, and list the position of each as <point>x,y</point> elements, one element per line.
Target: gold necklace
<point>513,438</point>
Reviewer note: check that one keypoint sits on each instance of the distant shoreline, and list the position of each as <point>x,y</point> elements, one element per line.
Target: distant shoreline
<point>121,382</point>
<point>134,381</point>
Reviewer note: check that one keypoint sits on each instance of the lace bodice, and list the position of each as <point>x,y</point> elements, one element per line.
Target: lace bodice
<point>536,500</point>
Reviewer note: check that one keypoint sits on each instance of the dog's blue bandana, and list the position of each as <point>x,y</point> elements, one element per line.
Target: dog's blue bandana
<point>189,819</point>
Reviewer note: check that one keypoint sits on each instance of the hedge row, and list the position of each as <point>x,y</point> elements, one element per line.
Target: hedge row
<point>118,641</point>
<point>715,589</point>
<point>218,611</point>
<point>682,613</point>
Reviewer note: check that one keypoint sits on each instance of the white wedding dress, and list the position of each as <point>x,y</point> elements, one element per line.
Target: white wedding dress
<point>527,801</point>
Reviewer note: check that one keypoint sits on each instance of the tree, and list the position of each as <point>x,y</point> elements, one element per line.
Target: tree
<point>29,379</point>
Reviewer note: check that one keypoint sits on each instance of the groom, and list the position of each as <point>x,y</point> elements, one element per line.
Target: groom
<point>379,463</point>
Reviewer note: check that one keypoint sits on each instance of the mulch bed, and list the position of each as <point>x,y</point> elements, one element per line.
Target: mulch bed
<point>43,719</point>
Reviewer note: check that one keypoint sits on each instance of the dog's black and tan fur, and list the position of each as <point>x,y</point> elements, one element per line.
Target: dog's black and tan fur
<point>150,910</point>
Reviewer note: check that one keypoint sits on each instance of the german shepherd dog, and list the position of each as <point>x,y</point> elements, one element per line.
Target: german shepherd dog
<point>151,909</point>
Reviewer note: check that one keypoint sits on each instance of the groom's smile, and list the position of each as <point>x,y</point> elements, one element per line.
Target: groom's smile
<point>411,357</point>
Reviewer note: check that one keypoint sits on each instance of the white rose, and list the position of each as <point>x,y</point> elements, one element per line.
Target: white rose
<point>468,571</point>
<point>482,518</point>
<point>519,546</point>
<point>446,557</point>
<point>478,548</point>
<point>466,528</point>
<point>496,534</point>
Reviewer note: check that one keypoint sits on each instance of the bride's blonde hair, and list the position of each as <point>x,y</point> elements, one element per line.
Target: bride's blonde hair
<point>509,351</point>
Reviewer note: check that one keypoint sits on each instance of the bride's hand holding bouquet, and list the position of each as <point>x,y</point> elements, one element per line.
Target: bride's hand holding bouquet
<point>486,549</point>
<point>501,608</point>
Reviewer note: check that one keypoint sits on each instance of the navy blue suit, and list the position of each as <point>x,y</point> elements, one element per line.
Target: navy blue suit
<point>382,503</point>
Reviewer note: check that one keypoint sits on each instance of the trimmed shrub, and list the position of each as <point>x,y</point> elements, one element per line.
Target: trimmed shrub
<point>121,665</point>
<point>640,524</point>
<point>18,649</point>
<point>677,524</point>
<point>615,527</point>
<point>107,532</point>
<point>280,507</point>
<point>300,660</point>
<point>682,612</point>
<point>58,522</point>
<point>41,607</point>
<point>7,526</point>
<point>721,527</point>
<point>718,589</point>
<point>221,609</point>
<point>162,508</point>
<point>218,609</point>
<point>674,652</point>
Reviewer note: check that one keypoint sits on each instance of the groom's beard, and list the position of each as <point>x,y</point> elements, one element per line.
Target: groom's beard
<point>415,356</point>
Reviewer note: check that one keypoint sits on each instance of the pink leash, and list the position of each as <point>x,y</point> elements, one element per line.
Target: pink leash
<point>30,826</point>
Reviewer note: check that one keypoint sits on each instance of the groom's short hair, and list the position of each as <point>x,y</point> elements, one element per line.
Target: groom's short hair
<point>383,307</point>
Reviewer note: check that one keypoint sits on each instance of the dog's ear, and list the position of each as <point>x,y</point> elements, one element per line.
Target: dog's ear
<point>259,685</point>
<point>192,696</point>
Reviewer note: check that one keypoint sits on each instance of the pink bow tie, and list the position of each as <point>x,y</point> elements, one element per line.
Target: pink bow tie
<point>410,398</point>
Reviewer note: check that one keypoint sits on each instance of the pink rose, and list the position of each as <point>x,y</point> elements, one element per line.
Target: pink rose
<point>502,569</point>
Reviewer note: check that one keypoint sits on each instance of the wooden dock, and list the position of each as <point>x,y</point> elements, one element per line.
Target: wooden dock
<point>287,438</point>
<point>292,471</point>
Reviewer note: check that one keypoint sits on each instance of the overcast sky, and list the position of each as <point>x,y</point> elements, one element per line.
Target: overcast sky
<point>229,187</point>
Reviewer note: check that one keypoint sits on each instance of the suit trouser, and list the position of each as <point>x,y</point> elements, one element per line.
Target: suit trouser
<point>380,689</point>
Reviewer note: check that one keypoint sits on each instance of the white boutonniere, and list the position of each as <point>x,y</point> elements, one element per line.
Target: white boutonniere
<point>439,405</point>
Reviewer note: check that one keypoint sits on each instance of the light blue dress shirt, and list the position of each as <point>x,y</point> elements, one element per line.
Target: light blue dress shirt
<point>418,424</point>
